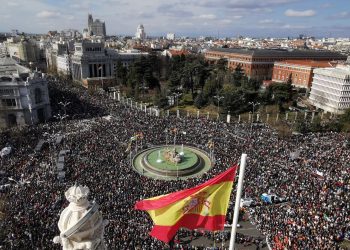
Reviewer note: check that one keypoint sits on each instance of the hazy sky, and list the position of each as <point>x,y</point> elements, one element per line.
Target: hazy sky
<point>183,17</point>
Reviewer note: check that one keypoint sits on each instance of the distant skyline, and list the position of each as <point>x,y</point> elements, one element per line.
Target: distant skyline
<point>224,18</point>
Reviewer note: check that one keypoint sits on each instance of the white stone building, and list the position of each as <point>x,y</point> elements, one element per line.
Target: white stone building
<point>95,66</point>
<point>63,64</point>
<point>170,36</point>
<point>330,90</point>
<point>24,97</point>
<point>140,32</point>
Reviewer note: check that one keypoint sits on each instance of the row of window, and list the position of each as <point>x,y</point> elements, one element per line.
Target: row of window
<point>291,68</point>
<point>7,92</point>
<point>9,102</point>
<point>94,49</point>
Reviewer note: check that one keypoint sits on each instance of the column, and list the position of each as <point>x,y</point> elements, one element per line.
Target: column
<point>277,116</point>
<point>267,118</point>
<point>313,116</point>
<point>286,116</point>
<point>257,117</point>
<point>305,115</point>
<point>197,114</point>
<point>228,119</point>
<point>208,115</point>
<point>239,118</point>
<point>178,113</point>
<point>188,113</point>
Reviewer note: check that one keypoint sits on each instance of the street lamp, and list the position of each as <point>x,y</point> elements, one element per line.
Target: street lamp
<point>218,98</point>
<point>176,96</point>
<point>253,104</point>
<point>64,105</point>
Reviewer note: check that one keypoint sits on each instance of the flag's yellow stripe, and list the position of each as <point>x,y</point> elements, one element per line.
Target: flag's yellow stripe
<point>217,199</point>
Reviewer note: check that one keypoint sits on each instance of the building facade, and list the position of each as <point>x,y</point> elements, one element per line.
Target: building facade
<point>300,72</point>
<point>63,64</point>
<point>24,96</point>
<point>95,66</point>
<point>96,27</point>
<point>330,90</point>
<point>258,63</point>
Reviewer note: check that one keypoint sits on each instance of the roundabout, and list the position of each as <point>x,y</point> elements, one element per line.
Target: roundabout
<point>170,163</point>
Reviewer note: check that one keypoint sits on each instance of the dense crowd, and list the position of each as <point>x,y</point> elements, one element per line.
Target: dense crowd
<point>309,171</point>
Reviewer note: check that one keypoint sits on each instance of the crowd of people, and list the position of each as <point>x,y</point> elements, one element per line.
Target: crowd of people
<point>309,171</point>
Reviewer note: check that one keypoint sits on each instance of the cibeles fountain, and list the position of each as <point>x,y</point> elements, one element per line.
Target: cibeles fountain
<point>81,224</point>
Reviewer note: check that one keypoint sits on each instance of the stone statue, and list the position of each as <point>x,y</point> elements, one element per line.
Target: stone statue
<point>81,225</point>
<point>172,155</point>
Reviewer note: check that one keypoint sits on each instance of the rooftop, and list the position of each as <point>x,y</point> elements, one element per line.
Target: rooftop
<point>280,52</point>
<point>307,63</point>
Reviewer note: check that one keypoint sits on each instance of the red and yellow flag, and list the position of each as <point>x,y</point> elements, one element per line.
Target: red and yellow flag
<point>203,206</point>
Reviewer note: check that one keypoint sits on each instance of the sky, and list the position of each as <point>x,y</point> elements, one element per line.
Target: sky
<point>223,18</point>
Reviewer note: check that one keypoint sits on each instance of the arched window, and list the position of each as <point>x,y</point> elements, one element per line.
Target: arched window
<point>38,96</point>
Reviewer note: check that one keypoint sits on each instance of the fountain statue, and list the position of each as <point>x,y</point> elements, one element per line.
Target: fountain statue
<point>172,156</point>
<point>81,225</point>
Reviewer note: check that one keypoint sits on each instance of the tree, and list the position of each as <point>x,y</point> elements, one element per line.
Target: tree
<point>121,73</point>
<point>200,100</point>
<point>160,100</point>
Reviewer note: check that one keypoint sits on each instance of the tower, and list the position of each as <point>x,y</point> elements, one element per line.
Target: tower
<point>140,32</point>
<point>90,22</point>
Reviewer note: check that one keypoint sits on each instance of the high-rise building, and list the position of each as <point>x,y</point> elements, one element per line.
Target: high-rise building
<point>330,90</point>
<point>140,32</point>
<point>96,27</point>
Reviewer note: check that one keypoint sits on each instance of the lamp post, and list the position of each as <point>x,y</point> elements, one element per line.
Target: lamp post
<point>218,98</point>
<point>253,104</point>
<point>64,105</point>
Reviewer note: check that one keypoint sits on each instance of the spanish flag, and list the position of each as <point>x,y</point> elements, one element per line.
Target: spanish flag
<point>203,206</point>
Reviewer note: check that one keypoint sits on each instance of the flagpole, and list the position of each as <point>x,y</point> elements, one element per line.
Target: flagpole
<point>238,200</point>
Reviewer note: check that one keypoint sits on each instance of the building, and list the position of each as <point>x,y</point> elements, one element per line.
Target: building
<point>63,64</point>
<point>140,32</point>
<point>258,63</point>
<point>96,27</point>
<point>95,66</point>
<point>24,95</point>
<point>56,54</point>
<point>170,36</point>
<point>174,52</point>
<point>330,90</point>
<point>300,72</point>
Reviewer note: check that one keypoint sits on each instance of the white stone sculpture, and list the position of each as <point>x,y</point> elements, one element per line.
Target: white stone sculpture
<point>81,225</point>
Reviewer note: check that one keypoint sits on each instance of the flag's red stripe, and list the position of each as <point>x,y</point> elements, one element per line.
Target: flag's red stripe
<point>190,221</point>
<point>228,175</point>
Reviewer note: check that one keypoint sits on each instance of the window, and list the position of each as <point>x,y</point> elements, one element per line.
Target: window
<point>38,96</point>
<point>7,92</point>
<point>9,102</point>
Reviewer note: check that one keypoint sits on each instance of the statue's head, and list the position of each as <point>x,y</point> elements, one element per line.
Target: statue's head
<point>77,194</point>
